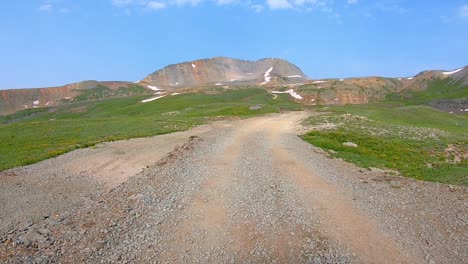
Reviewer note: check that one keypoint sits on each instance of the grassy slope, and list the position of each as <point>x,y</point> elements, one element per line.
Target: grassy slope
<point>437,90</point>
<point>101,92</point>
<point>403,138</point>
<point>25,138</point>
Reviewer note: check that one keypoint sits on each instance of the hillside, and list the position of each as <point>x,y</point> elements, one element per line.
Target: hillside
<point>14,100</point>
<point>444,90</point>
<point>142,172</point>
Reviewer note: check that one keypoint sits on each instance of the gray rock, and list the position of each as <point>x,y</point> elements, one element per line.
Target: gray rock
<point>255,107</point>
<point>350,144</point>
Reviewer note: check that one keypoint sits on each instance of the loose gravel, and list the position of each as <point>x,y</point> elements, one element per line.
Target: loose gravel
<point>251,191</point>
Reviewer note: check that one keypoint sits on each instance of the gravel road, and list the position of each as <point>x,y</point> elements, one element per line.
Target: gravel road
<point>247,191</point>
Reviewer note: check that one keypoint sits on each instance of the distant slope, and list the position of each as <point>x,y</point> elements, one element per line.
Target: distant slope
<point>444,90</point>
<point>348,91</point>
<point>221,70</point>
<point>19,99</point>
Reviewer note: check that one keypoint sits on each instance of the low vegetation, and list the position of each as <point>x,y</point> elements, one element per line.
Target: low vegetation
<point>32,135</point>
<point>416,141</point>
<point>439,89</point>
<point>101,91</point>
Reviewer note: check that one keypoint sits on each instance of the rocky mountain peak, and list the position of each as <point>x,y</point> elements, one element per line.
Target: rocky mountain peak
<point>224,70</point>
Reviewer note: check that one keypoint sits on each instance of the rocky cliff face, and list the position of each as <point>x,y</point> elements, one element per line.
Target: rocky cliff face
<point>225,71</point>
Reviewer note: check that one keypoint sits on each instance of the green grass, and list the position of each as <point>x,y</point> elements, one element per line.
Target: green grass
<point>31,136</point>
<point>409,139</point>
<point>438,89</point>
<point>101,92</point>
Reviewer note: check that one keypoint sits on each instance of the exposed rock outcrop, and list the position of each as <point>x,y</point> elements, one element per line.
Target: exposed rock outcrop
<point>222,70</point>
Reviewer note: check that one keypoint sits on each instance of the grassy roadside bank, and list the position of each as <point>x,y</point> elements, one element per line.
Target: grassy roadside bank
<point>416,141</point>
<point>34,135</point>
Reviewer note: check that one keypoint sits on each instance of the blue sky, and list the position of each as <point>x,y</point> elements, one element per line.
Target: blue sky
<point>54,42</point>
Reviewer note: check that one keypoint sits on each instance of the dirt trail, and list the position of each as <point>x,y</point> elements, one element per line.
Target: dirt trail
<point>252,191</point>
<point>29,193</point>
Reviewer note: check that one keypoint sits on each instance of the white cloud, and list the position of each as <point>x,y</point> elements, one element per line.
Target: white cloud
<point>153,5</point>
<point>46,7</point>
<point>186,2</point>
<point>225,2</point>
<point>463,12</point>
<point>352,2</point>
<point>123,2</point>
<point>257,8</point>
<point>279,4</point>
<point>325,6</point>
<point>393,8</point>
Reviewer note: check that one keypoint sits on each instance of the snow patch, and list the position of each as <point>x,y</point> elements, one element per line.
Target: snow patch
<point>175,93</point>
<point>290,92</point>
<point>232,80</point>
<point>218,84</point>
<point>267,75</point>
<point>154,88</point>
<point>294,76</point>
<point>152,99</point>
<point>410,78</point>
<point>47,103</point>
<point>194,66</point>
<point>35,102</point>
<point>249,73</point>
<point>137,82</point>
<point>319,82</point>
<point>25,106</point>
<point>452,72</point>
<point>399,79</point>
<point>341,80</point>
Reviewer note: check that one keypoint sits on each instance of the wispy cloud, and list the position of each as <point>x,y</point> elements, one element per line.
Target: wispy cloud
<point>45,7</point>
<point>153,5</point>
<point>279,4</point>
<point>257,8</point>
<point>324,6</point>
<point>463,12</point>
<point>352,2</point>
<point>393,8</point>
<point>57,6</point>
<point>226,2</point>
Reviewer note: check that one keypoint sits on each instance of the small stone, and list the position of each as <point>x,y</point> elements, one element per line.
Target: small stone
<point>350,144</point>
<point>43,231</point>
<point>255,107</point>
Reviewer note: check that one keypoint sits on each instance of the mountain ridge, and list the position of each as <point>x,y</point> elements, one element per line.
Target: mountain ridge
<point>268,73</point>
<point>224,70</point>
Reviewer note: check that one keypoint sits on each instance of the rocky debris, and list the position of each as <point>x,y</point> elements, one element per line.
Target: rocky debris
<point>172,113</point>
<point>255,107</point>
<point>350,144</point>
<point>456,153</point>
